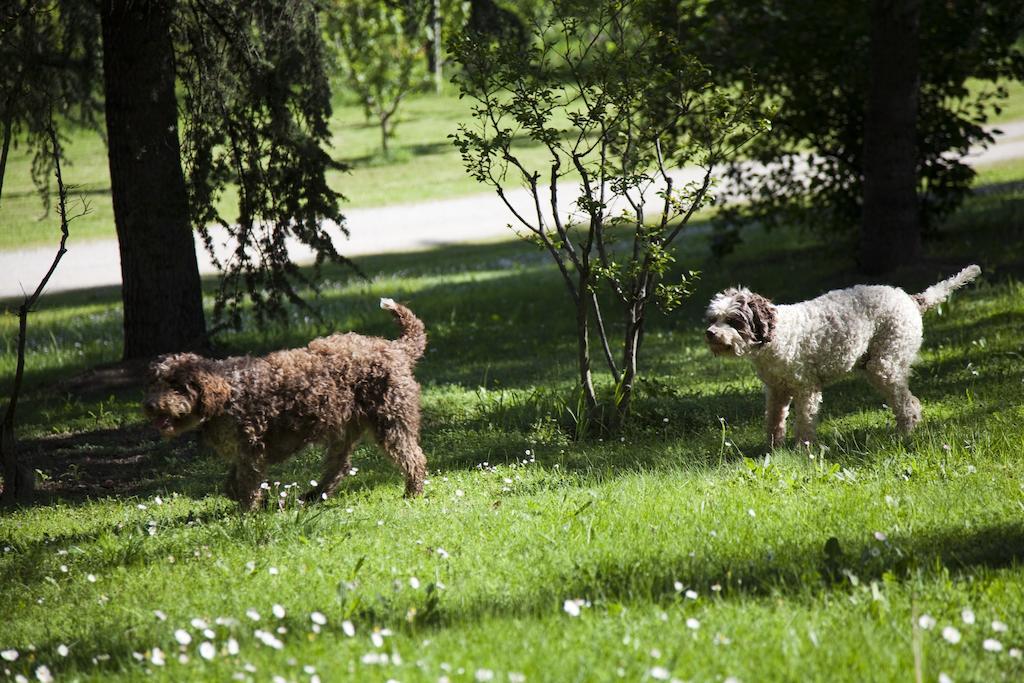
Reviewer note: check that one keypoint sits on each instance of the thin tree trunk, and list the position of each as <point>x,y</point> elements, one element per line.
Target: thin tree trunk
<point>434,51</point>
<point>160,277</point>
<point>631,351</point>
<point>891,227</point>
<point>19,482</point>
<point>583,349</point>
<point>8,121</point>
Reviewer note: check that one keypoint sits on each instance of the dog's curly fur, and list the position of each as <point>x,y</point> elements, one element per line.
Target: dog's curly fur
<point>258,411</point>
<point>799,348</point>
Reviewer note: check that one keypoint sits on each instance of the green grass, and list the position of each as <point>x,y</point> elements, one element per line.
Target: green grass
<point>519,517</point>
<point>423,165</point>
<point>1013,108</point>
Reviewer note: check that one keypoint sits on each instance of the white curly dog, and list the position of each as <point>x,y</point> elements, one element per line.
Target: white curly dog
<point>797,349</point>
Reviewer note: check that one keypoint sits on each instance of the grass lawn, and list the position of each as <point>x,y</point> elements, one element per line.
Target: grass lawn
<point>676,551</point>
<point>423,165</point>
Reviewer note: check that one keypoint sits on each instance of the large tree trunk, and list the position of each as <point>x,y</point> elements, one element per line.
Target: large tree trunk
<point>891,227</point>
<point>160,277</point>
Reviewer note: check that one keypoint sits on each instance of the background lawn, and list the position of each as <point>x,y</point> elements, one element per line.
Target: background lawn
<point>678,551</point>
<point>420,150</point>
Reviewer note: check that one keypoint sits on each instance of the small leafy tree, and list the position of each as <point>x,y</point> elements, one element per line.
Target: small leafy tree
<point>380,44</point>
<point>615,105</point>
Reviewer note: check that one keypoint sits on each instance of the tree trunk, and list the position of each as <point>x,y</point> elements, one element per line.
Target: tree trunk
<point>891,228</point>
<point>434,48</point>
<point>631,351</point>
<point>160,277</point>
<point>19,480</point>
<point>583,351</point>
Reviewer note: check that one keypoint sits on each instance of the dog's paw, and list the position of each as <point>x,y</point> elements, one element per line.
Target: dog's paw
<point>386,303</point>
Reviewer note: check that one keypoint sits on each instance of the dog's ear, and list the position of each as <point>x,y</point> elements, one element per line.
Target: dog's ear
<point>763,317</point>
<point>167,366</point>
<point>213,392</point>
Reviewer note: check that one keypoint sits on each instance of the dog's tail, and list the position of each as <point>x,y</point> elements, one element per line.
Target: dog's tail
<point>939,292</point>
<point>413,339</point>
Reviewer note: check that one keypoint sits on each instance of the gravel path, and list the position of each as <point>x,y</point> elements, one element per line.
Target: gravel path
<point>387,229</point>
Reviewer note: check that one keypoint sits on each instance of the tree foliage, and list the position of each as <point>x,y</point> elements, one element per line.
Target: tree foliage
<point>812,64</point>
<point>255,103</point>
<point>615,104</point>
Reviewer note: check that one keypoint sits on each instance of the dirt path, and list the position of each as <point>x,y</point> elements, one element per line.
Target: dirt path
<point>387,229</point>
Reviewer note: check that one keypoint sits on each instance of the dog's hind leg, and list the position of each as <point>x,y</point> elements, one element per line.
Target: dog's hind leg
<point>891,378</point>
<point>337,463</point>
<point>400,440</point>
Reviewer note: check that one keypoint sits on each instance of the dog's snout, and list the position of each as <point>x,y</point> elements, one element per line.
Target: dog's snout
<point>710,333</point>
<point>149,406</point>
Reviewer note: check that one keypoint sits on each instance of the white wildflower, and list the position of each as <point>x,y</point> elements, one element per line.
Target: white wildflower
<point>268,639</point>
<point>951,635</point>
<point>182,636</point>
<point>992,645</point>
<point>207,650</point>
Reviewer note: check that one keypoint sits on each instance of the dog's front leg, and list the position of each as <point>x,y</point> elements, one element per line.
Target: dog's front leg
<point>777,402</point>
<point>243,484</point>
<point>806,403</point>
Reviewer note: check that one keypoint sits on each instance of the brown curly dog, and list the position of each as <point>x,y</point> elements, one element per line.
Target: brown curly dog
<point>258,411</point>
